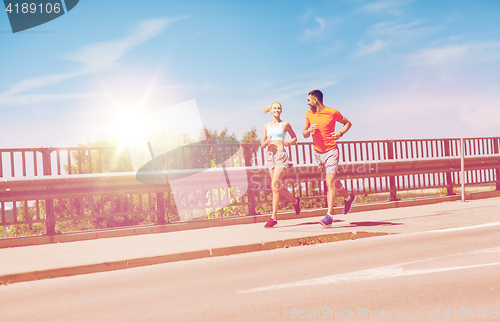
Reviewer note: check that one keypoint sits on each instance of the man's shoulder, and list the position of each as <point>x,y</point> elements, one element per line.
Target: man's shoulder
<point>329,110</point>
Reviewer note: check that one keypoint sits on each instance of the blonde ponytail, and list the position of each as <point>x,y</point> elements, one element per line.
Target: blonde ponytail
<point>267,109</point>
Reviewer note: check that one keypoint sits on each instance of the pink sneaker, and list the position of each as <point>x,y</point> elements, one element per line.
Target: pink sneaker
<point>271,223</point>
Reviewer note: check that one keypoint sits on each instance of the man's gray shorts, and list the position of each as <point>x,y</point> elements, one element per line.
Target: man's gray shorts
<point>328,162</point>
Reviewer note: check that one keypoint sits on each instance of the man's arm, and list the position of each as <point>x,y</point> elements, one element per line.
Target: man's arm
<point>306,132</point>
<point>347,126</point>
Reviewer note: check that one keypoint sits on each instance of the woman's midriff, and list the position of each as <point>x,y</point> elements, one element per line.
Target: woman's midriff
<point>275,145</point>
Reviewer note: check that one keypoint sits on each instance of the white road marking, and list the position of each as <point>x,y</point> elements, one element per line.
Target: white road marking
<point>461,228</point>
<point>364,275</point>
<point>380,272</point>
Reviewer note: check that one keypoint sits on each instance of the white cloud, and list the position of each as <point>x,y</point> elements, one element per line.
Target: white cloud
<point>315,32</point>
<point>367,49</point>
<point>431,109</point>
<point>387,6</point>
<point>399,30</point>
<point>327,50</point>
<point>23,99</point>
<point>101,56</point>
<point>482,116</point>
<point>94,58</point>
<point>306,16</point>
<point>466,53</point>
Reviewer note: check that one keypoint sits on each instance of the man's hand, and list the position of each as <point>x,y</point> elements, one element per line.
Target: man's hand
<point>336,135</point>
<point>312,128</point>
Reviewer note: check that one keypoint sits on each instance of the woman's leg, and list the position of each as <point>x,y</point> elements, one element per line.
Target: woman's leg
<point>278,188</point>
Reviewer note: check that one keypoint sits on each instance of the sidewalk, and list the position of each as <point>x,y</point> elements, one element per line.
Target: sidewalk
<point>30,263</point>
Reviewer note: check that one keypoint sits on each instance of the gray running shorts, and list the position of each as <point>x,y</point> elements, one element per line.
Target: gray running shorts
<point>328,162</point>
<point>276,159</point>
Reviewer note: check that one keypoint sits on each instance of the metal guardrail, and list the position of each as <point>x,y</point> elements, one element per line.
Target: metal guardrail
<point>28,162</point>
<point>59,198</point>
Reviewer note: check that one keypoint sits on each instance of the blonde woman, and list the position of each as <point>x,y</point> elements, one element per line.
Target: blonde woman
<point>273,137</point>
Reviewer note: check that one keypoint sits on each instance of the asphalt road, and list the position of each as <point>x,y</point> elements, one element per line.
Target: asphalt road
<point>444,275</point>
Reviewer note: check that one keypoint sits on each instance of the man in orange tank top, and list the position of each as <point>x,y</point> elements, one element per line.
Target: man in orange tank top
<point>320,122</point>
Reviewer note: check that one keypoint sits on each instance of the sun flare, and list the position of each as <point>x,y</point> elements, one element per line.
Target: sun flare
<point>130,128</point>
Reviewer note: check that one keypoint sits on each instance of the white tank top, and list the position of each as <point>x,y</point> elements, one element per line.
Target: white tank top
<point>276,133</point>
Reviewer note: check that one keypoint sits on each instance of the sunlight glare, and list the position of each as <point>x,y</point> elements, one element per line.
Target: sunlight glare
<point>130,127</point>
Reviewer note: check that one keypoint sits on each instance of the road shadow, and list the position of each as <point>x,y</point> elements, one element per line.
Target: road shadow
<point>350,225</point>
<point>372,224</point>
<point>306,224</point>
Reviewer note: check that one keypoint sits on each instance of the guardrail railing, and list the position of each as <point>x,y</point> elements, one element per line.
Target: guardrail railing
<point>79,160</point>
<point>46,186</point>
<point>47,202</point>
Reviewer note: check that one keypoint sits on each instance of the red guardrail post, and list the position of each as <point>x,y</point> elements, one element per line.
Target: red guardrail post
<point>160,219</point>
<point>496,147</point>
<point>449,180</point>
<point>49,203</point>
<point>392,179</point>
<point>247,154</point>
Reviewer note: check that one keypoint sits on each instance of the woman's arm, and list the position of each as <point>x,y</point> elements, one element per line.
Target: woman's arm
<point>263,142</point>
<point>289,130</point>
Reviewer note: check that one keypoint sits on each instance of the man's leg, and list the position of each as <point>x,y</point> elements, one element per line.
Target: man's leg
<point>348,198</point>
<point>330,192</point>
<point>332,186</point>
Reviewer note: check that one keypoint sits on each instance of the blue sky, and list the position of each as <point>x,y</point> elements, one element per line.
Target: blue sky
<point>396,68</point>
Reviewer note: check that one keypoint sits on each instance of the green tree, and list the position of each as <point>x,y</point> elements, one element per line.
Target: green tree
<point>250,137</point>
<point>108,157</point>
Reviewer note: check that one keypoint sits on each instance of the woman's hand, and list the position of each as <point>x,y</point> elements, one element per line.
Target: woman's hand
<point>268,141</point>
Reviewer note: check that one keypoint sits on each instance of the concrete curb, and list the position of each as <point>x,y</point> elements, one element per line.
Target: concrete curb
<point>240,220</point>
<point>153,260</point>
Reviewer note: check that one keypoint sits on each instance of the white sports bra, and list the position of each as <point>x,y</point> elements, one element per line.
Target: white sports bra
<point>276,133</point>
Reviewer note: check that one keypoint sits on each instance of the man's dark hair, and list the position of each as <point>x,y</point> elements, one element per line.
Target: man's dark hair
<point>318,94</point>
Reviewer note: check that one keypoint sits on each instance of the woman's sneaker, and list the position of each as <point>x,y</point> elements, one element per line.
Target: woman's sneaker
<point>348,204</point>
<point>271,223</point>
<point>296,205</point>
<point>327,221</point>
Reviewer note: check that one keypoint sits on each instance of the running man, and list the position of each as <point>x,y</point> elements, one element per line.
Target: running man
<point>320,122</point>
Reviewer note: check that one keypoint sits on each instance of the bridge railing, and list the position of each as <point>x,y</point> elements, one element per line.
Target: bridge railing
<point>62,185</point>
<point>28,162</point>
<point>76,198</point>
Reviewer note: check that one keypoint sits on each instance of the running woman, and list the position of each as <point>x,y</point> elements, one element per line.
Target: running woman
<point>277,160</point>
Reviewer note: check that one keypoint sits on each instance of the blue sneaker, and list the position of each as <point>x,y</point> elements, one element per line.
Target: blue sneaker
<point>327,221</point>
<point>348,204</point>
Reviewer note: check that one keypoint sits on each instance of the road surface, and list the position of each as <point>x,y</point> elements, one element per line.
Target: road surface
<point>442,275</point>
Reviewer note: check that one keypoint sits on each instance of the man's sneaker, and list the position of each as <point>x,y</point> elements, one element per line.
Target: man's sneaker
<point>327,221</point>
<point>271,223</point>
<point>296,205</point>
<point>348,204</point>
